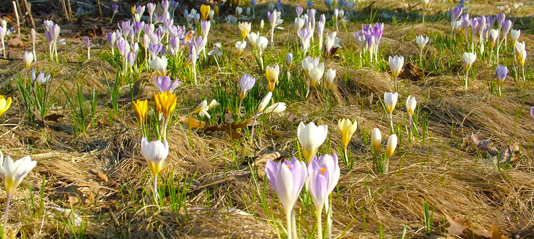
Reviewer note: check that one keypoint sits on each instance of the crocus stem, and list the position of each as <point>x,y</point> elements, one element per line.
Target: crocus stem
<point>523,68</point>
<point>293,224</point>
<point>156,195</point>
<point>347,158</point>
<point>319,223</point>
<point>466,78</point>
<point>252,130</point>
<point>272,37</point>
<point>328,208</point>
<point>288,218</point>
<point>6,214</point>
<point>391,122</point>
<point>239,109</point>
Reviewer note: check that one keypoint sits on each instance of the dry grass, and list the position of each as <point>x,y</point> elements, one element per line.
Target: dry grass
<point>455,181</point>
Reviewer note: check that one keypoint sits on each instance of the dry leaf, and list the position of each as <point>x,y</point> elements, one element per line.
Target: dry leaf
<point>494,233</point>
<point>270,155</point>
<point>457,225</point>
<point>192,122</point>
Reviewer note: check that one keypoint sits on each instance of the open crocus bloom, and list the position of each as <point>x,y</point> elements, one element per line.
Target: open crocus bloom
<point>287,179</point>
<point>155,154</point>
<point>13,172</point>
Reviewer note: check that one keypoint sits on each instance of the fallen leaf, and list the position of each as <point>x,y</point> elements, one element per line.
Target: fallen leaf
<point>192,122</point>
<point>457,225</point>
<point>494,233</point>
<point>54,117</point>
<point>15,42</point>
<point>271,155</point>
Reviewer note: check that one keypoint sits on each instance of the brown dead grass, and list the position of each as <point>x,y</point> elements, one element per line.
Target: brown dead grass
<point>457,182</point>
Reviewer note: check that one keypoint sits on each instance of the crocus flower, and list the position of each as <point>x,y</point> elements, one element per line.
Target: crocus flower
<point>390,100</point>
<point>305,37</point>
<point>276,108</point>
<point>376,140</point>
<point>455,14</point>
<point>271,73</point>
<point>240,45</point>
<point>468,59</point>
<point>27,58</point>
<point>165,103</point>
<point>204,11</point>
<point>275,20</point>
<point>316,74</point>
<point>347,129</point>
<point>245,27</point>
<point>391,145</point>
<point>311,137</point>
<point>159,65</point>
<point>165,83</point>
<point>12,173</point>
<point>41,78</point>
<point>421,41</point>
<point>298,10</point>
<point>329,43</point>
<point>330,75</point>
<point>264,102</point>
<point>289,60</point>
<point>323,176</point>
<point>287,179</point>
<point>501,73</point>
<point>141,108</point>
<point>246,83</point>
<point>532,111</point>
<point>155,154</point>
<point>395,64</point>
<point>520,53</point>
<point>202,109</point>
<point>411,103</point>
<point>4,104</point>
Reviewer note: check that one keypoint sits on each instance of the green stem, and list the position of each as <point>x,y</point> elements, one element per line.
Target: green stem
<point>6,214</point>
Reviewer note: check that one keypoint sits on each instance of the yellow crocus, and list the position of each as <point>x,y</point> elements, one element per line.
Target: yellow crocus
<point>271,73</point>
<point>4,104</point>
<point>216,10</point>
<point>204,11</point>
<point>165,103</point>
<point>141,107</point>
<point>347,129</point>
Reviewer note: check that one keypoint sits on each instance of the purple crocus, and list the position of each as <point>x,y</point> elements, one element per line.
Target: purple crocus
<point>507,26</point>
<point>501,17</point>
<point>287,179</point>
<point>131,58</point>
<point>155,49</point>
<point>299,10</point>
<point>246,83</point>
<point>115,8</point>
<point>323,177</point>
<point>532,111</point>
<point>501,72</point>
<point>86,41</point>
<point>165,84</point>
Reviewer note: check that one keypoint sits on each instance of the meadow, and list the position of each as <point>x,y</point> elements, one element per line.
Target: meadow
<point>249,119</point>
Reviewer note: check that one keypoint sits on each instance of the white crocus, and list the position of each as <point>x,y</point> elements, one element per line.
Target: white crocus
<point>311,137</point>
<point>276,108</point>
<point>330,75</point>
<point>27,58</point>
<point>390,100</point>
<point>159,64</point>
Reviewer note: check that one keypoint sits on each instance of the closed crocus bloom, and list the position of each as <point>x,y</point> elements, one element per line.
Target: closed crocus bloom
<point>278,107</point>
<point>514,35</point>
<point>376,140</point>
<point>390,100</point>
<point>4,104</point>
<point>262,24</point>
<point>323,176</point>
<point>411,103</point>
<point>289,60</point>
<point>244,27</point>
<point>330,75</point>
<point>27,58</point>
<point>141,107</point>
<point>216,10</point>
<point>253,37</point>
<point>265,101</point>
<point>316,74</point>
<point>155,154</point>
<point>493,36</point>
<point>392,144</point>
<point>212,104</point>
<point>421,41</point>
<point>347,129</point>
<point>520,53</point>
<point>287,179</point>
<point>159,64</point>
<point>204,11</point>
<point>395,64</point>
<point>468,59</point>
<point>240,45</point>
<point>262,43</point>
<point>271,73</point>
<point>246,83</point>
<point>425,3</point>
<point>311,137</point>
<point>165,83</point>
<point>501,73</point>
<point>329,42</point>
